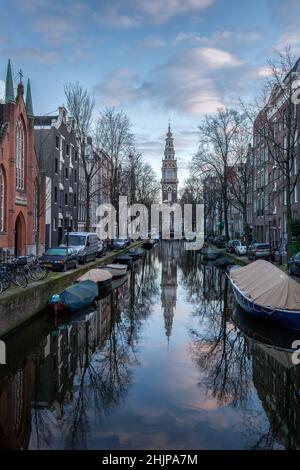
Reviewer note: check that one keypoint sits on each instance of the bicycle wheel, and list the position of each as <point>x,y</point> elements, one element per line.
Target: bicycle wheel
<point>5,281</point>
<point>19,278</point>
<point>36,273</point>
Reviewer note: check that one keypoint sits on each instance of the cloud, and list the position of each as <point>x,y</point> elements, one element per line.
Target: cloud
<point>190,82</point>
<point>264,71</point>
<point>119,88</point>
<point>223,38</point>
<point>153,42</point>
<point>136,12</point>
<point>56,30</point>
<point>34,54</point>
<point>2,91</point>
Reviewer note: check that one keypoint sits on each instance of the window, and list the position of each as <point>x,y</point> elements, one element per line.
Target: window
<point>67,149</point>
<point>55,193</point>
<point>20,164</point>
<point>75,199</point>
<point>57,142</point>
<point>75,176</point>
<point>296,194</point>
<point>76,156</point>
<point>56,165</point>
<point>67,173</point>
<point>55,223</point>
<point>2,200</point>
<point>66,199</point>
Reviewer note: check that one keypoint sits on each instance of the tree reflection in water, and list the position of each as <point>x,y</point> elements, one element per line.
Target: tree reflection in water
<point>103,348</point>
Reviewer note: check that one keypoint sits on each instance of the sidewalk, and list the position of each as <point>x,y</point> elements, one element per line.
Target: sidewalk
<point>19,305</point>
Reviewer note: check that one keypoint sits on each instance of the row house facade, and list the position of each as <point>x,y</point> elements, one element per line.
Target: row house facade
<point>21,224</point>
<point>269,196</point>
<point>58,153</point>
<point>99,166</point>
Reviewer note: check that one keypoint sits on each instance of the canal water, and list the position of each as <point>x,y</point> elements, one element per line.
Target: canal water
<point>166,361</point>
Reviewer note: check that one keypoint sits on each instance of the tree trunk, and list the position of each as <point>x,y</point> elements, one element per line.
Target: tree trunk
<point>87,204</point>
<point>288,218</point>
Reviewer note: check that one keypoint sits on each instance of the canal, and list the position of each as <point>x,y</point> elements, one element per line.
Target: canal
<point>165,361</point>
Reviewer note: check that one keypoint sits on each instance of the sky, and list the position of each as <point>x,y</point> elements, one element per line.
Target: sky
<point>156,59</point>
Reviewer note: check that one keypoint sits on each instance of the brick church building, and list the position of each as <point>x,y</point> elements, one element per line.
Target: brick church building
<point>22,223</point>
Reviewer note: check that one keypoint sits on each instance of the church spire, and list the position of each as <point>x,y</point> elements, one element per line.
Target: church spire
<point>9,87</point>
<point>29,107</point>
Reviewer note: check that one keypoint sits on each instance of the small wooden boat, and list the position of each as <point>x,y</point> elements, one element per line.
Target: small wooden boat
<point>119,281</point>
<point>223,262</point>
<point>101,277</point>
<point>117,270</point>
<point>75,297</point>
<point>148,244</point>
<point>266,292</point>
<point>210,253</point>
<point>136,253</point>
<point>123,259</point>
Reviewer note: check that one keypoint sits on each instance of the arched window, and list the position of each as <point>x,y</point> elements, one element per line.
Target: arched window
<point>2,200</point>
<point>20,159</point>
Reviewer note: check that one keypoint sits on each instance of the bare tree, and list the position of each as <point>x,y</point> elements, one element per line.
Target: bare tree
<point>217,133</point>
<point>80,104</point>
<point>143,187</point>
<point>115,137</point>
<point>241,175</point>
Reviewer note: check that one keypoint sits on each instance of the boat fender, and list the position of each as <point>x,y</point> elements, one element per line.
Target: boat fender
<point>55,298</point>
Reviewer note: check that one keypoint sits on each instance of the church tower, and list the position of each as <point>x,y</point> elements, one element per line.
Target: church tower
<point>169,285</point>
<point>169,181</point>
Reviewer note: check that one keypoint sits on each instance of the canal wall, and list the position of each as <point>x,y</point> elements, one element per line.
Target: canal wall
<point>18,305</point>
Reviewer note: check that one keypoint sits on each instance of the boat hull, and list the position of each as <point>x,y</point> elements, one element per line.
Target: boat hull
<point>285,318</point>
<point>115,271</point>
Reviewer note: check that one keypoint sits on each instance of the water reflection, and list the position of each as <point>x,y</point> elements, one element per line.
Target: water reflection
<point>166,355</point>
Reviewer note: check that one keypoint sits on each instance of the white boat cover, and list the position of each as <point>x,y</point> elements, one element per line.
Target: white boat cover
<point>268,286</point>
<point>96,275</point>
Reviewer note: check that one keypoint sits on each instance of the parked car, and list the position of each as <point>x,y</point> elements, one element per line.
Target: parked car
<point>260,251</point>
<point>121,243</point>
<point>85,244</point>
<point>240,249</point>
<point>294,265</point>
<point>60,258</point>
<point>230,247</point>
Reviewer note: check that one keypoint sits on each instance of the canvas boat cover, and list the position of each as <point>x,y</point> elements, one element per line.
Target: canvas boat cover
<point>79,295</point>
<point>96,275</point>
<point>266,285</point>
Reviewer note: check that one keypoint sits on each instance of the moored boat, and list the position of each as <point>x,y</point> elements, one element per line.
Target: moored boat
<point>101,277</point>
<point>117,270</point>
<point>148,244</point>
<point>119,281</point>
<point>210,254</point>
<point>123,259</point>
<point>136,253</point>
<point>223,262</point>
<point>75,297</point>
<point>266,292</point>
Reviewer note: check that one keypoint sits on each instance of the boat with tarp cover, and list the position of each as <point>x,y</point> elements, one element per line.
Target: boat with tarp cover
<point>266,292</point>
<point>79,295</point>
